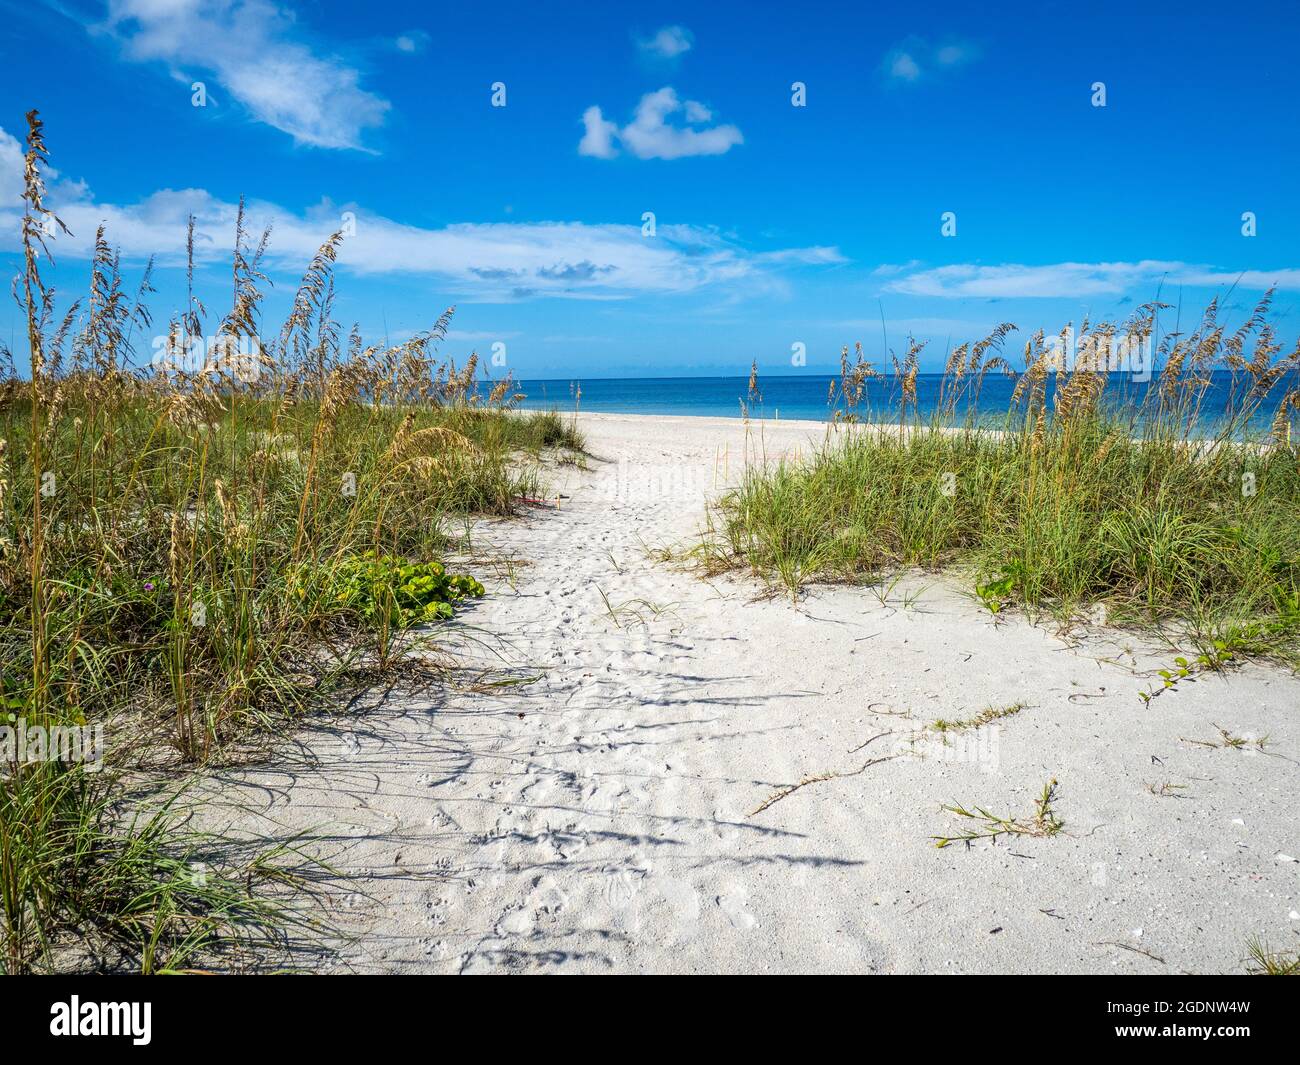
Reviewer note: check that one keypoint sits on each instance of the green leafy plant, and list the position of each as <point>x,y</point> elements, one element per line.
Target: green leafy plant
<point>383,589</point>
<point>1043,822</point>
<point>1216,658</point>
<point>995,593</point>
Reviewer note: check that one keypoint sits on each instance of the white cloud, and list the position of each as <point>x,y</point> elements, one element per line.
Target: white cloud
<point>598,140</point>
<point>411,42</point>
<point>1251,279</point>
<point>483,261</point>
<point>818,254</point>
<point>11,171</point>
<point>904,67</point>
<point>481,336</point>
<point>921,327</point>
<point>697,112</point>
<point>12,165</point>
<point>650,135</point>
<point>913,59</point>
<point>951,55</point>
<point>669,43</point>
<point>1071,280</point>
<point>251,49</point>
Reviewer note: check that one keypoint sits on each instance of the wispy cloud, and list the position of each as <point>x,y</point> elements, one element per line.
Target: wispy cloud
<point>650,135</point>
<point>904,67</point>
<point>920,327</point>
<point>411,42</point>
<point>255,51</point>
<point>11,171</point>
<point>670,42</point>
<point>1069,280</point>
<point>915,59</point>
<point>480,335</point>
<point>483,261</point>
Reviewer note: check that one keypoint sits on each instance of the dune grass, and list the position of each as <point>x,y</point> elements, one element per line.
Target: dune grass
<point>199,551</point>
<point>1263,960</point>
<point>1149,513</point>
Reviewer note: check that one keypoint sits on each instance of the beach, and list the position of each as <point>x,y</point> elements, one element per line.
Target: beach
<point>693,774</point>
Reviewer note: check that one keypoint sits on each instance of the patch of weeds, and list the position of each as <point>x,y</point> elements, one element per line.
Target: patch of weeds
<point>1228,739</point>
<point>884,588</point>
<point>911,598</point>
<point>1265,637</point>
<point>1042,823</point>
<point>81,882</point>
<point>786,792</point>
<point>576,459</point>
<point>1166,790</point>
<point>1214,659</point>
<point>988,714</point>
<point>633,611</point>
<point>1264,961</point>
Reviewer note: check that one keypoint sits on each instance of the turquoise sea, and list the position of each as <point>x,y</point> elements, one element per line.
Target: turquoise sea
<point>804,396</point>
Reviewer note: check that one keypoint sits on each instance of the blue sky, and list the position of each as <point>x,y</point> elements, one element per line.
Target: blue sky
<point>775,225</point>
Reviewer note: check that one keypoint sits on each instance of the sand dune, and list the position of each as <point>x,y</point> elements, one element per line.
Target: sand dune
<point>606,816</point>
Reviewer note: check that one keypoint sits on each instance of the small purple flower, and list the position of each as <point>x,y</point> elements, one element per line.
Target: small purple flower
<point>148,586</point>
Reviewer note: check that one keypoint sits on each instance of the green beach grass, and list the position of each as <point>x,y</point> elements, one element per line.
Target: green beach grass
<point>1145,514</point>
<point>200,553</point>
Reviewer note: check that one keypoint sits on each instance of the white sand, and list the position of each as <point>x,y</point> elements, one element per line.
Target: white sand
<point>599,819</point>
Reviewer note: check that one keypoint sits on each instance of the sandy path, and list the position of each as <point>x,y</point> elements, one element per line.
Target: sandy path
<point>600,818</point>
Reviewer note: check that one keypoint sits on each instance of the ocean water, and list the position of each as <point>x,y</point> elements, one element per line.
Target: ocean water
<point>805,396</point>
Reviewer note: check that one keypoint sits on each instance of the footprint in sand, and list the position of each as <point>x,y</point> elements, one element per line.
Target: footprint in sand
<point>435,948</point>
<point>732,903</point>
<point>441,819</point>
<point>725,822</point>
<point>660,910</point>
<point>547,896</point>
<point>570,840</point>
<point>621,885</point>
<point>435,910</point>
<point>518,922</point>
<point>600,797</point>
